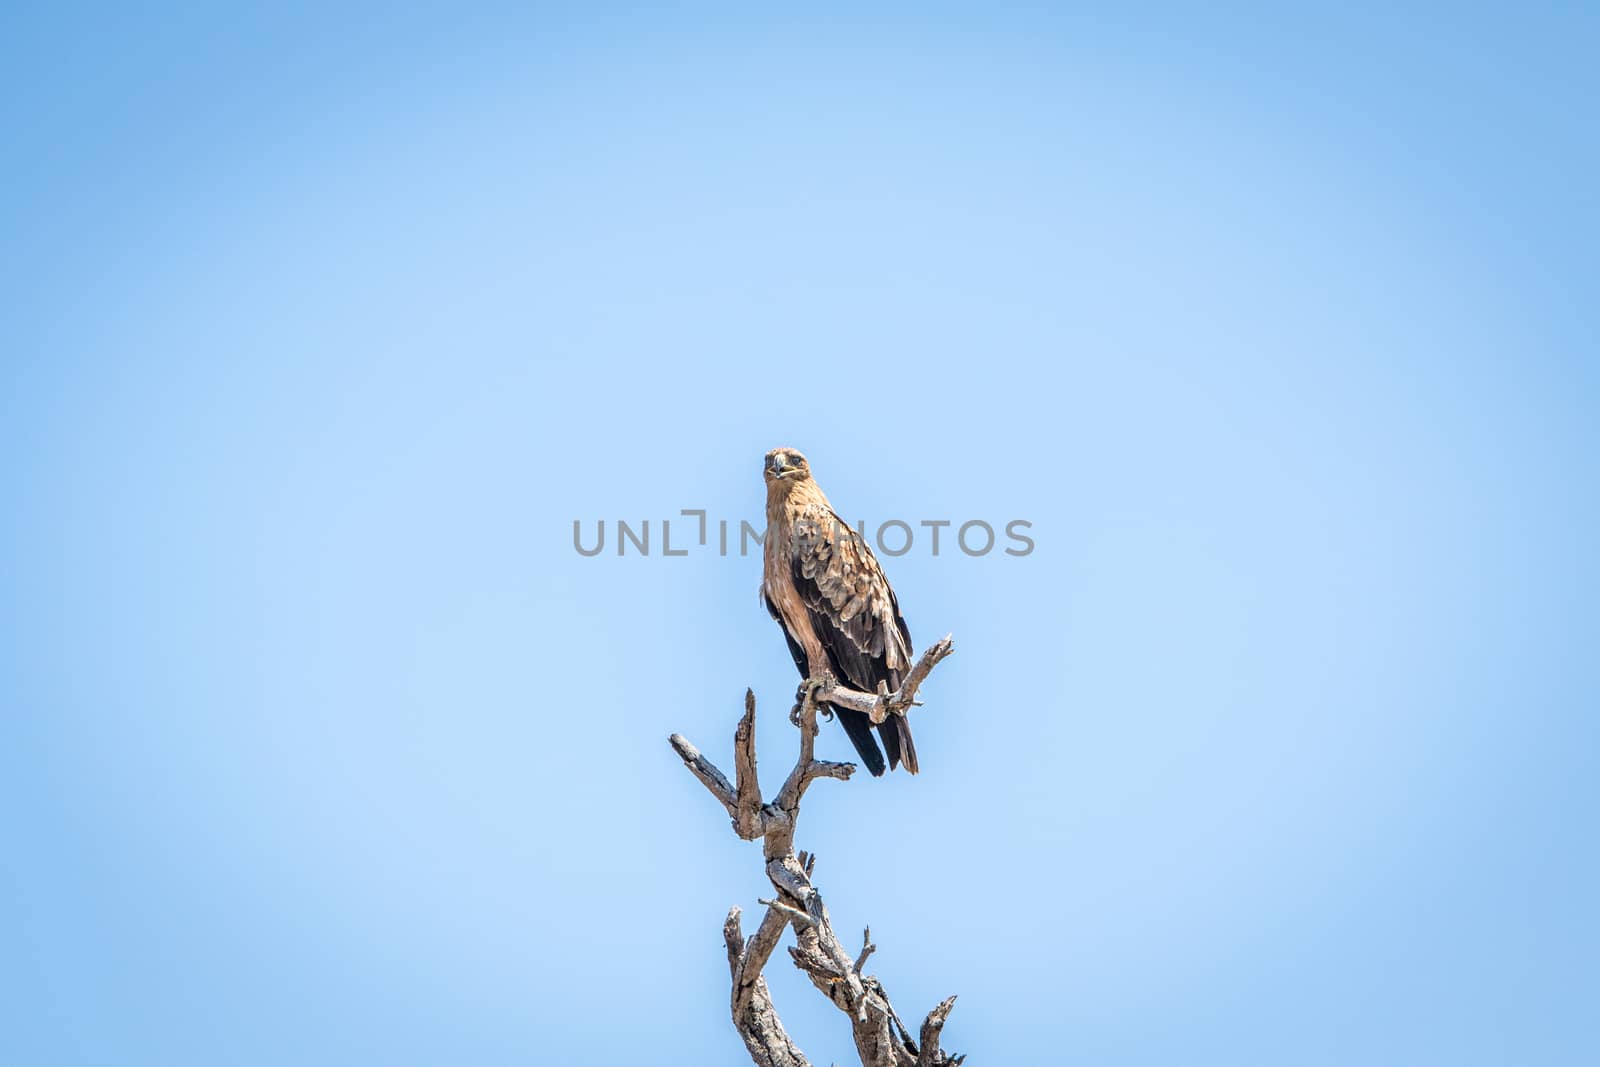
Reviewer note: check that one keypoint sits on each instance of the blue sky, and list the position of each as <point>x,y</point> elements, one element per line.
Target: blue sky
<point>322,745</point>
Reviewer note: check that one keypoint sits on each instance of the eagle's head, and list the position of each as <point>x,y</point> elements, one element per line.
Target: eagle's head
<point>785,465</point>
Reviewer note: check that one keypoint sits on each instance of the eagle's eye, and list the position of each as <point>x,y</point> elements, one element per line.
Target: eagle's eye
<point>781,463</point>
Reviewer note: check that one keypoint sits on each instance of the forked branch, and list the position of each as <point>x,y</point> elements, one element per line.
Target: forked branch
<point>880,1038</point>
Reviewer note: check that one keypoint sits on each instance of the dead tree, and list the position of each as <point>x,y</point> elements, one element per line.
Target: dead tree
<point>881,1039</point>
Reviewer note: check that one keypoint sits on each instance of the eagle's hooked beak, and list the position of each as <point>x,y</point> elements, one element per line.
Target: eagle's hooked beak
<point>779,466</point>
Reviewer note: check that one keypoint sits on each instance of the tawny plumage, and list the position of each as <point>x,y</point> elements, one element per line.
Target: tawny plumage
<point>825,588</point>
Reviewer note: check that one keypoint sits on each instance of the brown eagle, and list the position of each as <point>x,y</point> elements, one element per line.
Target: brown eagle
<point>822,584</point>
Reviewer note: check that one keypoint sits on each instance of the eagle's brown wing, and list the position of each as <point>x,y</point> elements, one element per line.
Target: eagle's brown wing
<point>854,613</point>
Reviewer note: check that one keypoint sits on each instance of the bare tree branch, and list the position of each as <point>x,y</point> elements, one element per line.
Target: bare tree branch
<point>867,949</point>
<point>704,770</point>
<point>881,1039</point>
<point>756,951</point>
<point>879,706</point>
<point>747,811</point>
<point>793,913</point>
<point>932,1026</point>
<point>754,1016</point>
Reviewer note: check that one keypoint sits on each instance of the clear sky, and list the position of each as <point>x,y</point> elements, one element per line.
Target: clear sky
<point>322,745</point>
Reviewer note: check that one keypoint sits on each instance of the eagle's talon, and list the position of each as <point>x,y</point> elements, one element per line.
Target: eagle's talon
<point>807,693</point>
<point>808,688</point>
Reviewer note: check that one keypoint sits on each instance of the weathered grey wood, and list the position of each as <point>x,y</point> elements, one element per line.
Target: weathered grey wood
<point>931,1027</point>
<point>705,770</point>
<point>747,803</point>
<point>881,1039</point>
<point>867,949</point>
<point>879,706</point>
<point>754,1016</point>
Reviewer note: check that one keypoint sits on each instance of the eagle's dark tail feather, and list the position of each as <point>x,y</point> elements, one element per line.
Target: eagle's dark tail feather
<point>859,727</point>
<point>896,734</point>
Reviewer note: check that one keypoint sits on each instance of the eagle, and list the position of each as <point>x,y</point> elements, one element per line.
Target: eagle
<point>838,613</point>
